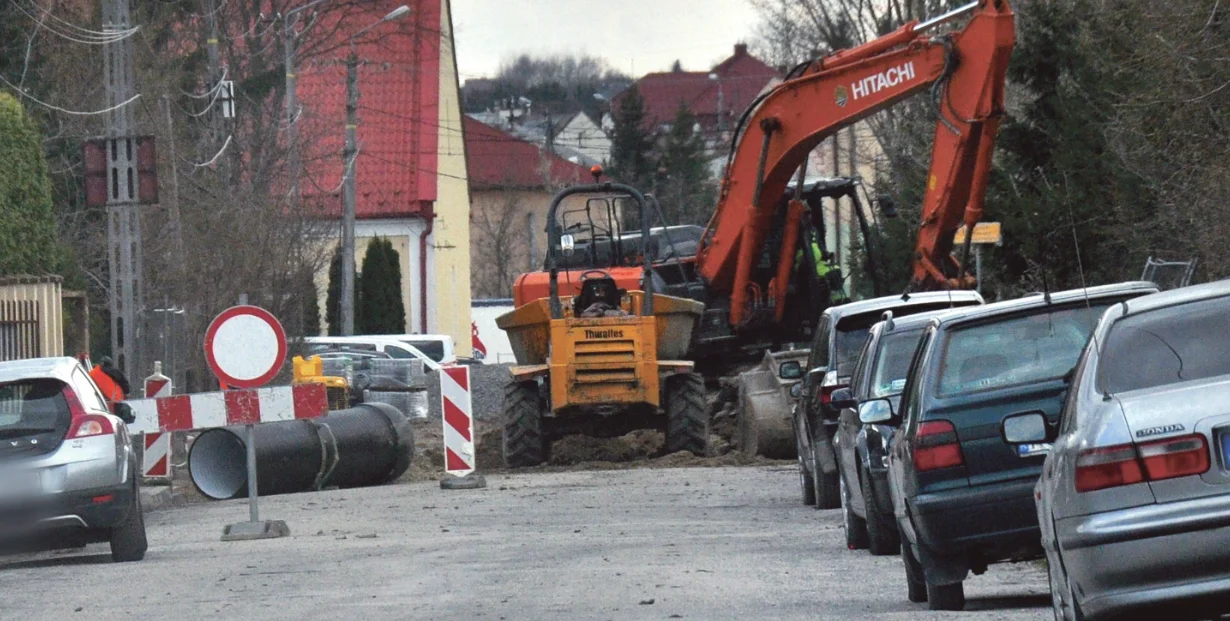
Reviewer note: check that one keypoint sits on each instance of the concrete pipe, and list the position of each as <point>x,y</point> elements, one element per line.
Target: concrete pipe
<point>369,444</point>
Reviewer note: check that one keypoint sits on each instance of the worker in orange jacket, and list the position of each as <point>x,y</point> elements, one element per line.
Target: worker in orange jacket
<point>111,381</point>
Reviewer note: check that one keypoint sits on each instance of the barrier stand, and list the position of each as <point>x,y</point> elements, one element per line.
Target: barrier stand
<point>156,446</point>
<point>254,528</point>
<point>458,415</point>
<point>245,347</point>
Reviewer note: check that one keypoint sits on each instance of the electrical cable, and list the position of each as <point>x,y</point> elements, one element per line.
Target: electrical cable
<point>216,155</point>
<point>65,111</point>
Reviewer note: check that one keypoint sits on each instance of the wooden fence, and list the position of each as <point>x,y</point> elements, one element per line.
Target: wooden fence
<point>19,330</point>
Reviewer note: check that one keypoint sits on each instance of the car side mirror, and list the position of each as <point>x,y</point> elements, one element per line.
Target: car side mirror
<point>842,399</point>
<point>1026,428</point>
<point>796,389</point>
<point>790,370</point>
<point>817,373</point>
<point>125,413</point>
<point>876,412</point>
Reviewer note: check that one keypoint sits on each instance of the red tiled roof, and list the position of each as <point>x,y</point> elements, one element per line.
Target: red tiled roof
<point>742,77</point>
<point>499,160</point>
<point>398,134</point>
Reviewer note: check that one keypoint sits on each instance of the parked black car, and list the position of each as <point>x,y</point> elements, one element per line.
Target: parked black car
<point>840,334</point>
<point>962,496</point>
<point>879,372</point>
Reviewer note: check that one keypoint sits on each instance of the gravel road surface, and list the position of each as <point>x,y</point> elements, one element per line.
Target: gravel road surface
<point>686,543</point>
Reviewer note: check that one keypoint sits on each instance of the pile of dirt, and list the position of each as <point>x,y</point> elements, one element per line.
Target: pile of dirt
<point>723,404</point>
<point>637,445</point>
<point>638,449</point>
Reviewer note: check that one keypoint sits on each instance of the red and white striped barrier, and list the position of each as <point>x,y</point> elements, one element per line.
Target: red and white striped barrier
<point>458,420</point>
<point>233,407</point>
<point>156,459</point>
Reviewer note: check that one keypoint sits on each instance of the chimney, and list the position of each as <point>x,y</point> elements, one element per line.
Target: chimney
<point>740,49</point>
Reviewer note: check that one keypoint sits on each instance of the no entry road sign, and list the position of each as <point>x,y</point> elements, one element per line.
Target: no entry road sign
<point>245,346</point>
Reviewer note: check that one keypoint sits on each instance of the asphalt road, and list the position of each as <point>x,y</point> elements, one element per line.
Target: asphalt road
<point>692,543</point>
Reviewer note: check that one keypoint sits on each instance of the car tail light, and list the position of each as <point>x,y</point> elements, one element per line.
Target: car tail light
<point>1126,464</point>
<point>1175,457</point>
<point>1111,466</point>
<point>937,446</point>
<point>91,425</point>
<point>74,404</point>
<point>828,386</point>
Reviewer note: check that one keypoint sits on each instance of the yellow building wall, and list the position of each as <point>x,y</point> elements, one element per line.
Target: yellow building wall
<point>403,244</point>
<point>449,301</point>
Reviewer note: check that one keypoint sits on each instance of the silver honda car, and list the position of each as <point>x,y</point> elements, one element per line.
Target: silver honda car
<point>1134,498</point>
<point>68,473</point>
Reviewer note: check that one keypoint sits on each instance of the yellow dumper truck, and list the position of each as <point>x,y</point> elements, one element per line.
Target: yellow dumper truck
<point>599,359</point>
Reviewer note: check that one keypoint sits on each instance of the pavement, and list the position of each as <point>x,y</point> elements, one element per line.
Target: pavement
<point>681,543</point>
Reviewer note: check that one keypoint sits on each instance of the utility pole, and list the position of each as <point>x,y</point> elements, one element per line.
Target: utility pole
<point>350,161</point>
<point>217,131</point>
<point>837,201</point>
<point>123,215</point>
<point>349,157</point>
<point>292,105</point>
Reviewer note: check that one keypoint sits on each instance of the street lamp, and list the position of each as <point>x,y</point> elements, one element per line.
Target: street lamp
<point>348,161</point>
<point>721,123</point>
<point>292,128</point>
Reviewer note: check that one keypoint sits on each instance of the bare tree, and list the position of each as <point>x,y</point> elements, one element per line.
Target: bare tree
<point>500,248</point>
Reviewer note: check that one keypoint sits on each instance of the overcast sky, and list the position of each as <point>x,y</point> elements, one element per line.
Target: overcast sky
<point>635,36</point>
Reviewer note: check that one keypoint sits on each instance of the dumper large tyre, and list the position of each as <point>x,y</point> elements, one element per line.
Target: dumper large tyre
<point>524,439</point>
<point>687,418</point>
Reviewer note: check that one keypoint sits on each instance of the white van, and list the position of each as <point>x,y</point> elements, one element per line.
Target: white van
<point>438,347</point>
<point>390,345</point>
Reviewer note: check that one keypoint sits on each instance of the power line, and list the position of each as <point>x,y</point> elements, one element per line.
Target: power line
<point>65,111</point>
<point>83,35</point>
<point>216,155</point>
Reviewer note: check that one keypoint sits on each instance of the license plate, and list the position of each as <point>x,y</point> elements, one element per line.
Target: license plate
<point>1031,450</point>
<point>20,483</point>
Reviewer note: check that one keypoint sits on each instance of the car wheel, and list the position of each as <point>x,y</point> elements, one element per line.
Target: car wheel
<point>882,539</point>
<point>856,527</point>
<point>828,487</point>
<point>128,542</point>
<point>946,596</point>
<point>916,587</point>
<point>807,483</point>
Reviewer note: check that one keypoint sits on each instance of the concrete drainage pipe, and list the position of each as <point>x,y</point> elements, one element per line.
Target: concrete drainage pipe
<point>369,444</point>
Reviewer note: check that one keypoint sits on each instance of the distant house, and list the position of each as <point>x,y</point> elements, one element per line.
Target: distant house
<point>581,134</point>
<point>411,182</point>
<point>716,97</point>
<point>512,182</point>
<point>574,137</point>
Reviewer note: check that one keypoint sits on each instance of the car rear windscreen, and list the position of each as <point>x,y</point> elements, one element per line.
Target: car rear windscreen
<point>893,362</point>
<point>1017,350</point>
<point>1167,346</point>
<point>852,330</point>
<point>431,348</point>
<point>32,409</point>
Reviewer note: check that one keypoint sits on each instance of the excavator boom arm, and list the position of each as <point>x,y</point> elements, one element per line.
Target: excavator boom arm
<point>968,70</point>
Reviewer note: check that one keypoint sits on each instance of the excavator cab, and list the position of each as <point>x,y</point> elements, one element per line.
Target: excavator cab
<point>604,357</point>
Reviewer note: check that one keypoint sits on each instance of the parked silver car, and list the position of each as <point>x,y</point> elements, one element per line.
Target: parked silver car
<point>1134,497</point>
<point>68,473</point>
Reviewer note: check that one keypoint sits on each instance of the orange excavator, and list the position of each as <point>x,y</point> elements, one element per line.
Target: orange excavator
<point>745,260</point>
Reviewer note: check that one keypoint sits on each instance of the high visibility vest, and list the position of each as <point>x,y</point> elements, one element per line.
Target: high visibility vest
<point>110,389</point>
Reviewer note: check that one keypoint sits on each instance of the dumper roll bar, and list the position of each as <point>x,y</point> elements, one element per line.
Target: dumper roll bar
<point>553,240</point>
